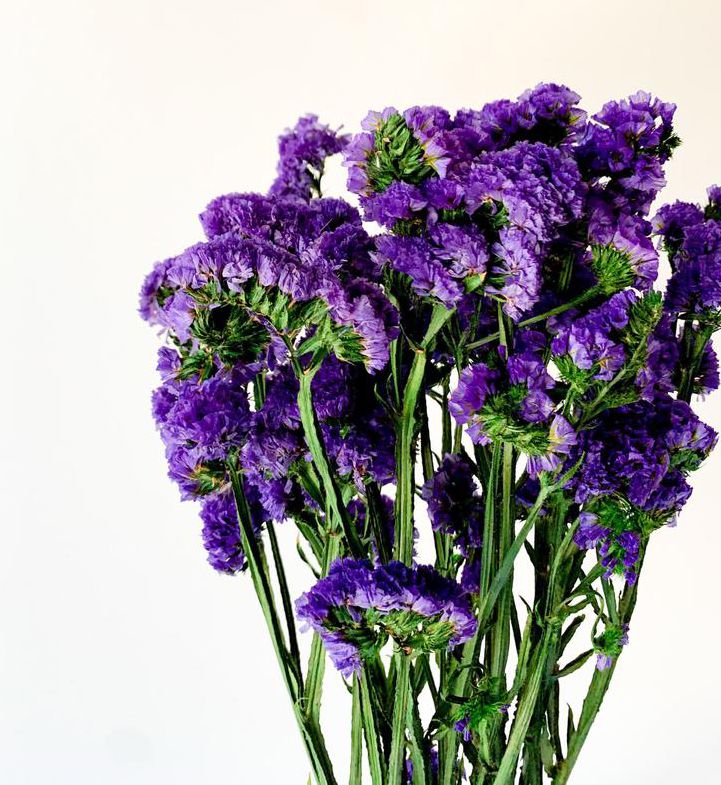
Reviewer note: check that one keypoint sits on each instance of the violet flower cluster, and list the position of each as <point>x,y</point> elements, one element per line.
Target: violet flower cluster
<point>475,363</point>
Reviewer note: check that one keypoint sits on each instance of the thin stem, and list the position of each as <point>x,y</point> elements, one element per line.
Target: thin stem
<point>559,309</point>
<point>312,737</point>
<point>396,763</point>
<point>375,758</point>
<point>356,736</point>
<point>405,453</point>
<point>598,688</point>
<point>286,602</point>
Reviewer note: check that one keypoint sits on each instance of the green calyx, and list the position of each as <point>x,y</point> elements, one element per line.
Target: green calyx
<point>487,703</point>
<point>611,641</point>
<point>396,155</point>
<point>410,631</point>
<point>613,269</point>
<point>500,423</point>
<point>209,477</point>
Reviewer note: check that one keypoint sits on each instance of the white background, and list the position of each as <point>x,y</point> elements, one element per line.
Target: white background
<point>123,658</point>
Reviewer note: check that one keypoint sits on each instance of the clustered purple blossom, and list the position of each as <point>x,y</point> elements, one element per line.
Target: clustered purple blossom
<point>633,476</point>
<point>455,504</point>
<point>524,179</point>
<point>303,150</point>
<point>692,236</point>
<point>511,402</point>
<point>357,605</point>
<point>525,212</point>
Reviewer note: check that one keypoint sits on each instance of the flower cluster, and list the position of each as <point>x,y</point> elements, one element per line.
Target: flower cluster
<point>357,607</point>
<point>509,280</point>
<point>633,477</point>
<point>511,403</point>
<point>455,505</point>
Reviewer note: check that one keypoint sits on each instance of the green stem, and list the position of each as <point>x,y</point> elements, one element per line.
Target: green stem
<point>690,368</point>
<point>502,636</point>
<point>598,688</point>
<point>311,429</point>
<point>559,309</point>
<point>356,736</point>
<point>526,708</point>
<point>257,564</point>
<point>375,757</point>
<point>286,602</point>
<point>405,453</point>
<point>396,763</point>
<point>313,692</point>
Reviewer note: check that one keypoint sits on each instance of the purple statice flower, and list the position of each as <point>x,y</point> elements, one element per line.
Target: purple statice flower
<point>357,606</point>
<point>363,307</point>
<point>416,258</point>
<point>662,355</point>
<point>396,147</point>
<point>707,377</point>
<point>463,249</point>
<point>547,113</point>
<point>221,533</point>
<point>518,271</point>
<point>315,252</point>
<point>454,502</point>
<point>590,532</point>
<point>696,282</point>
<point>672,220</point>
<point>532,191</point>
<point>618,548</point>
<point>528,370</point>
<point>588,340</point>
<point>609,645</point>
<point>399,202</point>
<point>641,453</point>
<point>561,439</point>
<point>625,146</point>
<point>303,150</point>
<point>475,385</point>
<point>200,423</point>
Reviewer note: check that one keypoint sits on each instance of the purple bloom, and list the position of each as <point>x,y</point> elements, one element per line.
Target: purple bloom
<point>561,438</point>
<point>641,452</point>
<point>358,606</point>
<point>609,644</point>
<point>696,282</point>
<point>454,502</point>
<point>399,202</point>
<point>475,385</point>
<point>200,423</point>
<point>221,529</point>
<point>415,257</point>
<point>303,150</point>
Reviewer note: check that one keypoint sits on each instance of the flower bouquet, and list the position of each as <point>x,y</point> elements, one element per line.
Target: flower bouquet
<point>471,364</point>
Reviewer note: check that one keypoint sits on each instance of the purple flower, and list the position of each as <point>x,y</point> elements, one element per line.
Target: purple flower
<point>358,606</point>
<point>696,282</point>
<point>561,438</point>
<point>221,529</point>
<point>476,384</point>
<point>415,257</point>
<point>454,502</point>
<point>200,424</point>
<point>641,453</point>
<point>303,150</point>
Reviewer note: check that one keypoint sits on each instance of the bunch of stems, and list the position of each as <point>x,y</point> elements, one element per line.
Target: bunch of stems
<point>522,649</point>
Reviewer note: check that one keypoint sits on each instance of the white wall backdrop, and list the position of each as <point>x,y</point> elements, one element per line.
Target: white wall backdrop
<point>124,660</point>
